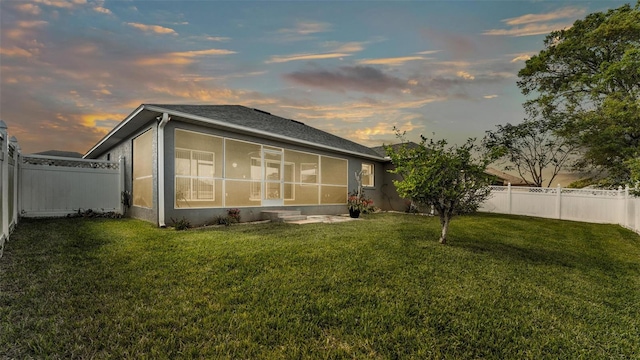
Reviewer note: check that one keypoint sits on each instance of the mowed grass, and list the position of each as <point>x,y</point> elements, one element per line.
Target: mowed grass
<point>380,288</point>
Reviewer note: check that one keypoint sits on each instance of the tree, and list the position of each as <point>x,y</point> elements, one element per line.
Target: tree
<point>530,148</point>
<point>587,82</point>
<point>634,166</point>
<point>448,178</point>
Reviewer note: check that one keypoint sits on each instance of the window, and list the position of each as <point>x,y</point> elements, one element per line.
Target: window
<point>143,170</point>
<point>243,164</point>
<point>301,178</point>
<point>194,175</point>
<point>367,175</point>
<point>198,170</point>
<point>333,179</point>
<point>309,173</point>
<point>212,171</point>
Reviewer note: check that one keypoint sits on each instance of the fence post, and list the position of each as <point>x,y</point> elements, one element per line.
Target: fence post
<point>5,181</point>
<point>4,233</point>
<point>625,213</point>
<point>559,201</point>
<point>509,198</point>
<point>121,181</point>
<point>16,158</point>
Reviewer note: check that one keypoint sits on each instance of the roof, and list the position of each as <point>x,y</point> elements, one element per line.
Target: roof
<point>60,153</point>
<point>514,180</point>
<point>235,118</point>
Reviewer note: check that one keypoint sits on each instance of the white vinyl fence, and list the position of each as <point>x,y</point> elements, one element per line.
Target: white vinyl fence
<point>46,186</point>
<point>57,186</point>
<point>9,160</point>
<point>586,205</point>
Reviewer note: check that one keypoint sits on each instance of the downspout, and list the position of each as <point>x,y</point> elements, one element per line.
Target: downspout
<point>163,122</point>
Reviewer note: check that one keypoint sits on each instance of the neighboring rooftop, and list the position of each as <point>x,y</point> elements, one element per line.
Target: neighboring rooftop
<point>60,153</point>
<point>506,178</point>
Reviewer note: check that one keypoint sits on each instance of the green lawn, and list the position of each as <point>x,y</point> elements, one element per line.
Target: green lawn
<point>380,288</point>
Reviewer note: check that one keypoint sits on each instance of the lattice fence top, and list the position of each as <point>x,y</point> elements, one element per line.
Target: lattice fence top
<point>69,162</point>
<point>565,191</point>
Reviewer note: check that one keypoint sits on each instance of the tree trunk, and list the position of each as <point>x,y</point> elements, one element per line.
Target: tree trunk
<point>444,221</point>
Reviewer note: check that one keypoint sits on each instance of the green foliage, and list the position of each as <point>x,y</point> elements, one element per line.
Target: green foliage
<point>181,224</point>
<point>232,217</point>
<point>507,287</point>
<point>634,166</point>
<point>448,178</point>
<point>579,184</point>
<point>530,148</point>
<point>587,81</point>
<point>222,220</point>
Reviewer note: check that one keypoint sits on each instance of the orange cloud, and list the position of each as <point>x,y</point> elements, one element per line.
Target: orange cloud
<point>528,30</point>
<point>391,61</point>
<point>350,47</point>
<point>15,51</point>
<point>564,13</point>
<point>364,135</point>
<point>297,57</point>
<point>153,28</point>
<point>29,9</point>
<point>102,10</point>
<point>538,24</point>
<point>465,75</point>
<point>31,24</point>
<point>181,58</point>
<point>61,3</point>
<point>521,57</point>
<point>94,120</point>
<point>217,96</point>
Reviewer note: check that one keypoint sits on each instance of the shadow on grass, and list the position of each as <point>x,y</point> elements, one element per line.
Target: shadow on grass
<point>516,253</point>
<point>537,241</point>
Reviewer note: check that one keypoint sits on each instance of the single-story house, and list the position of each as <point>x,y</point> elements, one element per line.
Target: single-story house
<point>198,161</point>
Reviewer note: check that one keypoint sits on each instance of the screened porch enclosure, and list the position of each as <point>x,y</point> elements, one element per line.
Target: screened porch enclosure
<point>213,171</point>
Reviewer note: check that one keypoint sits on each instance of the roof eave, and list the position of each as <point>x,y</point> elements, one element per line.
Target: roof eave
<point>114,131</point>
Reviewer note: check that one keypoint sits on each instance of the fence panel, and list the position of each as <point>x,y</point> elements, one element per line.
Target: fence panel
<point>3,187</point>
<point>54,186</point>
<point>9,153</point>
<point>633,215</point>
<point>11,184</point>
<point>587,205</point>
<point>594,208</point>
<point>534,202</point>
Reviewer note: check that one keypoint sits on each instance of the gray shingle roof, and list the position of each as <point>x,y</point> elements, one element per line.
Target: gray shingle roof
<point>266,122</point>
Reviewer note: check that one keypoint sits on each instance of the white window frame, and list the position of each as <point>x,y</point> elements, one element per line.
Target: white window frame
<point>371,172</point>
<point>194,165</point>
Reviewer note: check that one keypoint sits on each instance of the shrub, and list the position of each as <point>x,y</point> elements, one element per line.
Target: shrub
<point>222,220</point>
<point>182,224</point>
<point>234,215</point>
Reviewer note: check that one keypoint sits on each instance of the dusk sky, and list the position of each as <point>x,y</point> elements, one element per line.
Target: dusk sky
<point>71,70</point>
